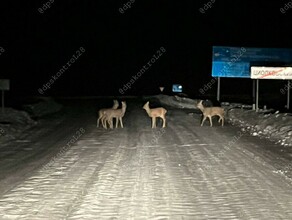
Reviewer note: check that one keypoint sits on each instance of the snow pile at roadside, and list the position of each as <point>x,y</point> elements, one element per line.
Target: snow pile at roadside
<point>265,123</point>
<point>13,122</point>
<point>42,107</point>
<point>176,101</point>
<point>275,126</point>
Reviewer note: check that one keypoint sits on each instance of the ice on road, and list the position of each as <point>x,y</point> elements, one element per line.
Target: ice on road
<point>72,170</point>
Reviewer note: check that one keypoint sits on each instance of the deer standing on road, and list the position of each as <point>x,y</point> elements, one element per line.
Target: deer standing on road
<point>101,111</point>
<point>109,114</point>
<point>154,113</point>
<point>209,112</point>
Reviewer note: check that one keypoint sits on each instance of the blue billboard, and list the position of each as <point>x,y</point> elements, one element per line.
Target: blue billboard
<point>236,61</point>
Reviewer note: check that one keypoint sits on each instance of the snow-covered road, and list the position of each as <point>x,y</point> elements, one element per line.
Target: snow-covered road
<point>66,168</point>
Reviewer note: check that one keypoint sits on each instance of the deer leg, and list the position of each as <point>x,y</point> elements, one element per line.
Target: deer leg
<point>121,121</point>
<point>222,121</point>
<point>103,122</point>
<point>163,119</point>
<point>210,118</point>
<point>106,122</point>
<point>99,118</point>
<point>153,122</point>
<point>204,118</point>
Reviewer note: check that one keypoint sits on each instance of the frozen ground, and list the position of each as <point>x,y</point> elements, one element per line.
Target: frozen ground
<point>14,122</point>
<point>267,123</point>
<point>42,106</point>
<point>271,125</point>
<point>66,168</point>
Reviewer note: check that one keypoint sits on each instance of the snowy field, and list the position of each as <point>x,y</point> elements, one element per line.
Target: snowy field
<point>64,167</point>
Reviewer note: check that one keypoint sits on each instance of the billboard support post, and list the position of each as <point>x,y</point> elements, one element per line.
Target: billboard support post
<point>257,95</point>
<point>273,73</point>
<point>4,86</point>
<point>253,94</point>
<point>218,89</point>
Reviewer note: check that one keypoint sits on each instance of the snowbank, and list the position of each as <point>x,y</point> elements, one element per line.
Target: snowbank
<point>42,107</point>
<point>265,123</point>
<point>13,122</point>
<point>176,101</point>
<point>274,126</point>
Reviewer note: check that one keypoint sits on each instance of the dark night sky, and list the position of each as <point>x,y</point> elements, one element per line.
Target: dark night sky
<point>117,45</point>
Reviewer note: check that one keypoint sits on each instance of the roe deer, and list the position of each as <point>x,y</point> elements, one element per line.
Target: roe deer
<point>154,113</point>
<point>210,112</point>
<point>109,114</point>
<point>100,112</point>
